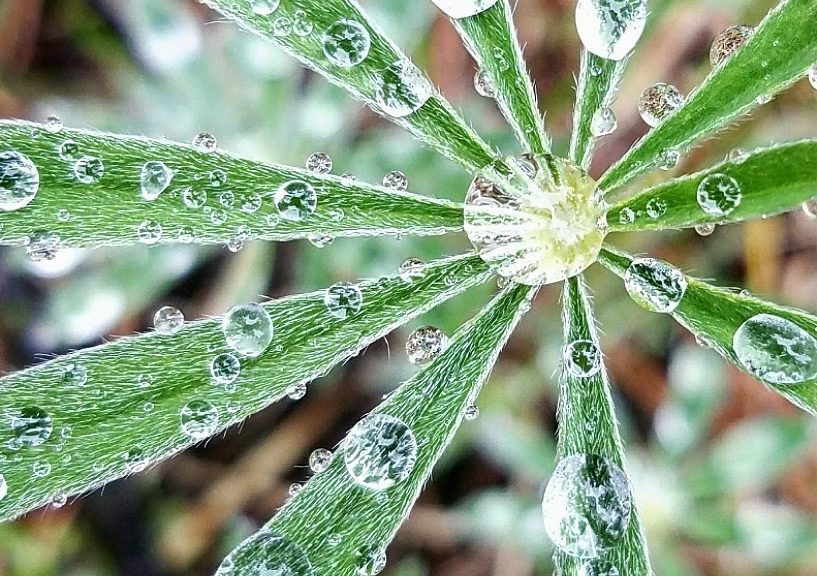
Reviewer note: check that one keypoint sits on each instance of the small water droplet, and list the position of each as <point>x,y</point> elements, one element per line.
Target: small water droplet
<point>63,215</point>
<point>380,451</point>
<point>296,200</point>
<point>227,199</point>
<point>656,207</point>
<point>764,99</point>
<point>343,299</point>
<point>74,374</point>
<point>282,26</point>
<point>19,181</point>
<point>194,198</point>
<point>626,216</point>
<point>659,101</point>
<point>319,163</point>
<point>728,42</point>
<point>89,170</point>
<point>395,180</point>
<point>737,156</point>
<point>149,231</point>
<point>31,426</point>
<point>401,88</point>
<point>4,487</point>
<point>154,179</point>
<point>610,28</point>
<point>320,240</point>
<point>198,419</point>
<point>168,320</point>
<point>205,142</point>
<point>346,43</point>
<point>135,460</point>
<point>41,469</point>
<point>719,194</point>
<point>604,122</point>
<point>296,391</point>
<point>668,159</point>
<point>53,124</point>
<point>812,76</point>
<point>471,412</point>
<point>247,329</point>
<point>319,460</point>
<point>225,369</point>
<point>424,344</point>
<point>369,561</point>
<point>705,229</point>
<point>411,268</point>
<point>655,285</point>
<point>582,358</point>
<point>483,84</point>
<point>810,208</point>
<point>144,381</point>
<point>776,350</point>
<point>43,246</point>
<point>301,25</point>
<point>217,178</point>
<point>264,7</point>
<point>68,151</point>
<point>294,488</point>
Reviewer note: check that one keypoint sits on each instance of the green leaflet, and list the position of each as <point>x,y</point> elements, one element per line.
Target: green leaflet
<point>491,39</point>
<point>583,400</point>
<point>782,49</point>
<point>435,122</point>
<point>770,181</point>
<point>358,522</point>
<point>240,196</point>
<point>714,315</point>
<point>127,415</point>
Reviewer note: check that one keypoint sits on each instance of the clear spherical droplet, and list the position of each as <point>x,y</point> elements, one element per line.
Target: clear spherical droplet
<point>205,142</point>
<point>343,299</point>
<point>149,231</point>
<point>89,170</point>
<point>659,101</point>
<point>411,268</point>
<point>346,43</point>
<point>396,180</point>
<point>225,369</point>
<point>610,28</point>
<point>424,344</point>
<point>296,200</point>
<point>296,391</point>
<point>471,412</point>
<point>168,320</point>
<point>775,350</point>
<point>294,488</point>
<point>812,76</point>
<point>198,419</point>
<point>68,151</point>
<point>719,194</point>
<point>19,181</point>
<point>728,42</point>
<point>704,229</point>
<point>251,202</point>
<point>63,215</point>
<point>40,469</point>
<point>194,198</point>
<point>247,329</point>
<point>668,159</point>
<point>463,8</point>
<point>59,499</point>
<point>74,374</point>
<point>380,451</point>
<point>154,179</point>
<point>320,240</point>
<point>810,208</point>
<point>604,122</point>
<point>655,285</point>
<point>483,84</point>
<point>266,554</point>
<point>582,358</point>
<point>43,246</point>
<point>31,426</point>
<point>626,216</point>
<point>264,7</point>
<point>301,25</point>
<point>135,460</point>
<point>319,163</point>
<point>586,505</point>
<point>53,124</point>
<point>401,88</point>
<point>656,207</point>
<point>227,199</point>
<point>319,460</point>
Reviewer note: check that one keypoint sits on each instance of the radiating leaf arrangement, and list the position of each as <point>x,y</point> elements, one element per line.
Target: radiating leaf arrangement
<point>532,219</point>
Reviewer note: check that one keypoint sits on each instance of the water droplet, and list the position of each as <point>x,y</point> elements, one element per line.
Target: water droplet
<point>582,358</point>
<point>346,43</point>
<point>218,217</point>
<point>247,329</point>
<point>63,215</point>
<point>737,156</point>
<point>4,487</point>
<point>40,469</point>
<point>659,101</point>
<point>296,200</point>
<point>320,240</point>
<point>68,151</point>
<point>471,412</point>
<point>227,199</point>
<point>395,180</point>
<point>668,159</point>
<point>296,391</point>
<point>154,179</point>
<point>598,568</point>
<point>586,505</point>
<point>301,25</point>
<point>656,207</point>
<point>319,460</point>
<point>776,350</point>
<point>810,208</point>
<point>705,229</point>
<point>343,299</point>
<point>264,7</point>
<point>168,320</point>
<point>369,561</point>
<point>74,374</point>
<point>764,99</point>
<point>483,84</point>
<point>149,231</point>
<point>205,142</point>
<point>135,460</point>
<point>719,194</point>
<point>401,88</point>
<point>534,220</point>
<point>59,499</point>
<point>89,170</point>
<point>463,8</point>
<point>319,163</point>
<point>380,451</point>
<point>144,381</point>
<point>266,554</point>
<point>348,179</point>
<point>217,178</point>
<point>225,369</point>
<point>610,28</point>
<point>282,26</point>
<point>424,344</point>
<point>626,216</point>
<point>655,285</point>
<point>186,235</point>
<point>198,419</point>
<point>294,488</point>
<point>604,122</point>
<point>31,426</point>
<point>193,198</point>
<point>19,181</point>
<point>812,76</point>
<point>53,124</point>
<point>728,42</point>
<point>43,246</point>
<point>411,268</point>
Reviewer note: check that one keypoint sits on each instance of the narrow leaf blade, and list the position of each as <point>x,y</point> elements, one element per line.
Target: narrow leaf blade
<point>781,50</point>
<point>240,196</point>
<point>127,414</point>
<point>770,181</point>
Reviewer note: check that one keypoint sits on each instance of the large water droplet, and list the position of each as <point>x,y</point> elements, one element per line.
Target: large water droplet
<point>247,329</point>
<point>424,344</point>
<point>198,419</point>
<point>776,350</point>
<point>319,163</point>
<point>719,194</point>
<point>604,122</point>
<point>655,285</point>
<point>728,42</point>
<point>380,451</point>
<point>656,207</point>
<point>534,220</point>
<point>266,554</point>
<point>31,426</point>
<point>154,178</point>
<point>89,170</point>
<point>463,8</point>
<point>168,320</point>
<point>659,101</point>
<point>19,180</point>
<point>346,43</point>
<point>225,369</point>
<point>264,7</point>
<point>610,28</point>
<point>401,89</point>
<point>582,358</point>
<point>296,200</point>
<point>343,299</point>
<point>587,505</point>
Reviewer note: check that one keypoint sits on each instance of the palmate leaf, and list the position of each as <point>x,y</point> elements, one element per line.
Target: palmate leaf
<point>584,400</point>
<point>300,29</point>
<point>781,50</point>
<point>777,347</point>
<point>240,196</point>
<point>490,37</point>
<point>761,183</point>
<point>338,524</point>
<point>126,412</point>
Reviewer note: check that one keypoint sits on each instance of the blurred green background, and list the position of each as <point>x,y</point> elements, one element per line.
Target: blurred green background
<point>724,471</point>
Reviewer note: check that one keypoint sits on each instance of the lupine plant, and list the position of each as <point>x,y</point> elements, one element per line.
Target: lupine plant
<point>533,218</point>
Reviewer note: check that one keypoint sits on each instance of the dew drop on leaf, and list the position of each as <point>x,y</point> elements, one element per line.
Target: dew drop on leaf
<point>251,203</point>
<point>43,246</point>
<point>604,122</point>
<point>369,561</point>
<point>659,101</point>
<point>401,88</point>
<point>380,451</point>
<point>656,207</point>
<point>395,180</point>
<point>149,231</point>
<point>59,499</point>
<point>217,178</point>
<point>463,8</point>
<point>4,487</point>
<point>31,426</point>
<point>205,142</point>
<point>294,488</point>
<point>227,199</point>
<point>135,460</point>
<point>282,26</point>
<point>319,163</point>
<point>89,170</point>
<point>626,216</point>
<point>53,124</point>
<point>19,181</point>
<point>296,391</point>
<point>812,76</point>
<point>776,350</point>
<point>343,299</point>
<point>810,208</point>
<point>225,369</point>
<point>319,460</point>
<point>40,469</point>
<point>218,216</point>
<point>194,198</point>
<point>346,43</point>
<point>411,268</point>
<point>728,42</point>
<point>424,344</point>
<point>668,159</point>
<point>586,505</point>
<point>247,329</point>
<point>168,320</point>
<point>68,151</point>
<point>582,358</point>
<point>320,240</point>
<point>74,374</point>
<point>301,25</point>
<point>598,568</point>
<point>471,412</point>
<point>483,84</point>
<point>655,285</point>
<point>296,200</point>
<point>154,179</point>
<point>266,554</point>
<point>719,194</point>
<point>63,215</point>
<point>198,419</point>
<point>264,7</point>
<point>610,28</point>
